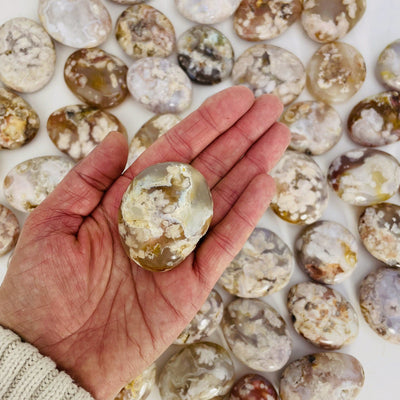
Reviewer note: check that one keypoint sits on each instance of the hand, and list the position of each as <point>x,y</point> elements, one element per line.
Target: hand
<point>71,290</point>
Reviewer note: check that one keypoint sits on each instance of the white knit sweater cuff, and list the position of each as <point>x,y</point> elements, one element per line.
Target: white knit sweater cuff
<point>26,374</point>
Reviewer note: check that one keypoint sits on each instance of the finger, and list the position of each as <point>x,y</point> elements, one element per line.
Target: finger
<point>216,160</point>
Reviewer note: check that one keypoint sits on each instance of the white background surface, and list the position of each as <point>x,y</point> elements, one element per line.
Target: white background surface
<point>379,26</point>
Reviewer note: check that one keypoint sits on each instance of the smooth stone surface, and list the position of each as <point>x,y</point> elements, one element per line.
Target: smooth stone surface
<point>77,130</point>
<point>327,376</point>
<point>322,315</point>
<point>256,334</point>
<point>207,11</point>
<point>265,19</point>
<point>143,31</point>
<point>27,55</point>
<point>253,387</point>
<point>388,65</point>
<point>149,132</point>
<point>263,266</point>
<point>301,190</point>
<point>315,126</point>
<point>205,54</point>
<point>265,68</point>
<point>335,72</point>
<point>363,177</point>
<point>205,322</point>
<point>159,85</point>
<point>31,181</point>
<point>329,20</point>
<point>9,230</point>
<point>19,122</point>
<point>200,371</point>
<point>163,214</point>
<point>327,251</point>
<point>96,77</point>
<point>76,23</point>
<point>375,121</point>
<point>380,302</point>
<point>379,228</point>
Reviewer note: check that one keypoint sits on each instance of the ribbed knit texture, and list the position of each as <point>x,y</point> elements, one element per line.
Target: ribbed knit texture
<point>27,375</point>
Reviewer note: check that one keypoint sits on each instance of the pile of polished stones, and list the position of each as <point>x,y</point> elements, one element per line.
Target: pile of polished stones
<point>254,331</point>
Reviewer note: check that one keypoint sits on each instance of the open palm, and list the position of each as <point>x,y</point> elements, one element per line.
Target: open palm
<point>71,290</point>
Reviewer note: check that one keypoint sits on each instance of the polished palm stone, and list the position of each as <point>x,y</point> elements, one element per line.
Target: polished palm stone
<point>253,387</point>
<point>207,11</point>
<point>205,322</point>
<point>335,72</point>
<point>265,19</point>
<point>19,123</point>
<point>301,189</point>
<point>322,315</point>
<point>379,228</point>
<point>263,266</point>
<point>149,132</point>
<point>256,334</point>
<point>96,77</point>
<point>77,130</point>
<point>9,230</point>
<point>31,181</point>
<point>27,55</point>
<point>76,23</point>
<point>388,65</point>
<point>363,177</point>
<point>200,371</point>
<point>143,31</point>
<point>329,20</point>
<point>265,68</point>
<point>205,54</point>
<point>315,126</point>
<point>327,251</point>
<point>375,121</point>
<point>327,376</point>
<point>163,214</point>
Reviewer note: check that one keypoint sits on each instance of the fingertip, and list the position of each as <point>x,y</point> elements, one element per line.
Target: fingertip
<point>285,133</point>
<point>114,145</point>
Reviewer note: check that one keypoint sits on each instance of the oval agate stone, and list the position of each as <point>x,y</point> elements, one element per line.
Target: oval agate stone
<point>9,230</point>
<point>388,66</point>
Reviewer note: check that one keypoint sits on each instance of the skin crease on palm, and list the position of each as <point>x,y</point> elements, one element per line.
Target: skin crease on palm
<point>71,290</point>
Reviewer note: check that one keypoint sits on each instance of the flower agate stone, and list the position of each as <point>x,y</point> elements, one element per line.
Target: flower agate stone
<point>253,387</point>
<point>263,266</point>
<point>205,322</point>
<point>335,72</point>
<point>77,130</point>
<point>380,302</point>
<point>379,228</point>
<point>388,66</point>
<point>19,123</point>
<point>76,23</point>
<point>328,376</point>
<point>27,55</point>
<point>149,133</point>
<point>257,334</point>
<point>265,19</point>
<point>322,315</point>
<point>200,371</point>
<point>363,177</point>
<point>265,68</point>
<point>143,31</point>
<point>329,20</point>
<point>207,11</point>
<point>375,121</point>
<point>301,189</point>
<point>327,251</point>
<point>164,212</point>
<point>205,54</point>
<point>9,230</point>
<point>159,85</point>
<point>315,126</point>
<point>31,181</point>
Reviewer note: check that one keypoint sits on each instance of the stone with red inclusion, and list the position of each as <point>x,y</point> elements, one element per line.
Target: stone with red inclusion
<point>253,387</point>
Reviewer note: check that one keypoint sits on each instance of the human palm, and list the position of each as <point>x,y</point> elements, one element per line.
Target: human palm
<point>72,291</point>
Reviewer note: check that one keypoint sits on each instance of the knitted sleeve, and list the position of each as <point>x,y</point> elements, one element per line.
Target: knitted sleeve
<point>27,375</point>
